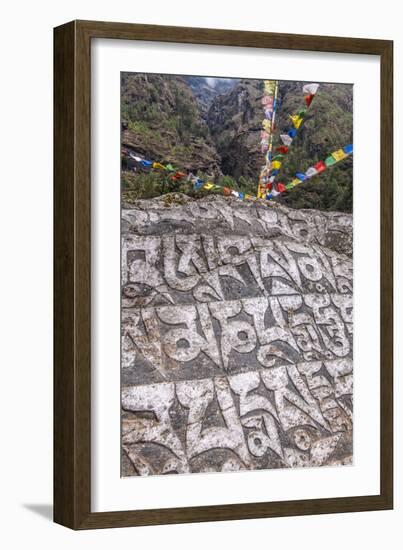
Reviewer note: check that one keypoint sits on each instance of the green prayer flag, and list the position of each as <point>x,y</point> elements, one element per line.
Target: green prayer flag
<point>278,157</point>
<point>170,168</point>
<point>329,161</point>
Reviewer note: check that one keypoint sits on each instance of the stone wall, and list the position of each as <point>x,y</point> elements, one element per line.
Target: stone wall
<point>237,331</point>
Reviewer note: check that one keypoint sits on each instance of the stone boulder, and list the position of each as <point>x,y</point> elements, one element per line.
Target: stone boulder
<point>237,336</point>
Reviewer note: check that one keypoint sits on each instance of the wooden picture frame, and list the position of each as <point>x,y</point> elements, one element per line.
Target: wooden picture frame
<point>72,270</point>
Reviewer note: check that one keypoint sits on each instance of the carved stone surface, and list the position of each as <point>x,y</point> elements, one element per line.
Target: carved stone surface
<point>237,336</point>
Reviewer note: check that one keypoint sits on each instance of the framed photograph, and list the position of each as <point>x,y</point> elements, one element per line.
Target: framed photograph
<point>222,275</point>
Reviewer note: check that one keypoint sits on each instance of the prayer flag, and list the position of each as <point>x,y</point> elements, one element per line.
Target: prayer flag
<point>330,160</point>
<point>308,99</point>
<point>310,172</point>
<point>339,155</point>
<point>286,139</point>
<point>137,159</point>
<point>320,166</point>
<point>267,100</point>
<point>348,149</point>
<point>282,149</point>
<point>281,187</point>
<point>300,176</point>
<point>310,89</point>
<point>276,164</point>
<point>266,125</point>
<point>269,86</point>
<point>296,120</point>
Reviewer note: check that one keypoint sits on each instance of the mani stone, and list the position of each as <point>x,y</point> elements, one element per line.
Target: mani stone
<point>237,336</point>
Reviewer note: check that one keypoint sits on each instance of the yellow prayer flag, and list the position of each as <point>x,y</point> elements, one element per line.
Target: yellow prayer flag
<point>208,186</point>
<point>339,155</point>
<point>158,165</point>
<point>295,182</point>
<point>267,125</point>
<point>275,164</point>
<point>296,120</point>
<point>269,86</point>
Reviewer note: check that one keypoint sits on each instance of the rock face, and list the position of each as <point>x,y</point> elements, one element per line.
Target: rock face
<point>235,122</point>
<point>162,121</point>
<point>237,333</point>
<point>206,90</point>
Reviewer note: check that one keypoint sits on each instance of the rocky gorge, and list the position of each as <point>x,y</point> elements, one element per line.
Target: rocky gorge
<point>212,127</point>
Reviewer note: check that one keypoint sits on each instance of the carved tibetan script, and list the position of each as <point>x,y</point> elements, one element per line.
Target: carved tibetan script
<point>237,335</point>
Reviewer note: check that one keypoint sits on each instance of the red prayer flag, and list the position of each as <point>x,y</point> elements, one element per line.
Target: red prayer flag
<point>320,166</point>
<point>308,99</point>
<point>282,149</point>
<point>177,176</point>
<point>227,191</point>
<point>281,187</point>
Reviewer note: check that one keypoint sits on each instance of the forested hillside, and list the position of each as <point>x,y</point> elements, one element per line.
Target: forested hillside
<point>211,127</point>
